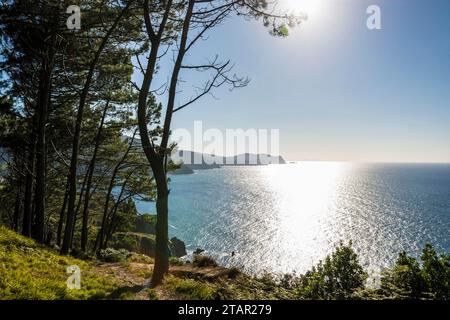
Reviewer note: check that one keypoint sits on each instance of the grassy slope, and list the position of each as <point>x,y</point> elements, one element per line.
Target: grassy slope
<point>32,271</point>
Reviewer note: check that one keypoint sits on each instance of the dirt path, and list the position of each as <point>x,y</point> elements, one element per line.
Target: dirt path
<point>134,278</point>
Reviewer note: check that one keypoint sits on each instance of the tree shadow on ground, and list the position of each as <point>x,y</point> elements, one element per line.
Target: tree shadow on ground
<point>126,291</point>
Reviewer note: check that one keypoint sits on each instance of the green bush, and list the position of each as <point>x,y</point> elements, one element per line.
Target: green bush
<point>145,223</point>
<point>411,279</point>
<point>134,242</point>
<point>139,258</point>
<point>113,255</point>
<point>174,261</point>
<point>436,272</point>
<point>338,277</point>
<point>125,241</point>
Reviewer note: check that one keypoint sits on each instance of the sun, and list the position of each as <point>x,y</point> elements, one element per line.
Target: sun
<point>312,8</point>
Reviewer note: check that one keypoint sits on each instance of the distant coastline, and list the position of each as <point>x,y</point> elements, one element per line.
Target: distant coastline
<point>202,161</point>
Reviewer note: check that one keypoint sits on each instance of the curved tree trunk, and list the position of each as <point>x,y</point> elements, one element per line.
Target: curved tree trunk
<point>161,267</point>
<point>159,169</point>
<point>155,160</point>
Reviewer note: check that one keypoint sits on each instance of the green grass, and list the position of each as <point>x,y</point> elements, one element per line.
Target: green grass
<point>152,295</point>
<point>190,289</point>
<point>31,271</point>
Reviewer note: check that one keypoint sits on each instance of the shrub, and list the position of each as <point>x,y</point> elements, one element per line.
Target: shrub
<point>113,255</point>
<point>410,279</point>
<point>404,279</point>
<point>436,272</point>
<point>145,223</point>
<point>139,258</point>
<point>174,261</point>
<point>338,277</point>
<point>134,242</point>
<point>77,253</point>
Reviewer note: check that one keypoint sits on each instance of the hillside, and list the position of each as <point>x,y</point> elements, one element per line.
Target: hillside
<point>31,271</point>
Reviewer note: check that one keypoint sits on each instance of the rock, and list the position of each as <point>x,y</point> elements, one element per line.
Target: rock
<point>177,247</point>
<point>134,242</point>
<point>145,244</point>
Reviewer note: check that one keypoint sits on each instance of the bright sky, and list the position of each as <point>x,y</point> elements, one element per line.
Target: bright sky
<point>336,90</point>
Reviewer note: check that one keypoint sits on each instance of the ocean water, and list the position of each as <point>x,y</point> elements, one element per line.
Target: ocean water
<point>285,218</point>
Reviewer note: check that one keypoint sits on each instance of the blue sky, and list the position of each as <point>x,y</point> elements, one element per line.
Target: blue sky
<point>336,90</point>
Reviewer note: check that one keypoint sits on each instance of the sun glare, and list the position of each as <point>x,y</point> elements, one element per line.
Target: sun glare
<point>312,8</point>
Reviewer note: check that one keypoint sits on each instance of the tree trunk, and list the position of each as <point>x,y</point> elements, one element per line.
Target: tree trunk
<point>16,211</point>
<point>109,226</point>
<point>61,217</point>
<point>77,209</point>
<point>39,232</point>
<point>161,267</point>
<point>84,227</point>
<point>155,161</point>
<point>72,178</point>
<point>28,196</point>
<point>159,170</point>
<point>101,233</point>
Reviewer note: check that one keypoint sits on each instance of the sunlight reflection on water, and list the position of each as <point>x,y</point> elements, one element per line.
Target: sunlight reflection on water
<point>285,218</point>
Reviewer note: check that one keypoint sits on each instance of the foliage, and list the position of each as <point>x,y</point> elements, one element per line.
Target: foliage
<point>122,255</point>
<point>411,279</point>
<point>32,271</point>
<point>338,277</point>
<point>113,255</point>
<point>174,261</point>
<point>134,242</point>
<point>145,223</point>
<point>139,258</point>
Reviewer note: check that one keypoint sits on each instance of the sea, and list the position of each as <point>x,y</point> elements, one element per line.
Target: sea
<point>286,218</point>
